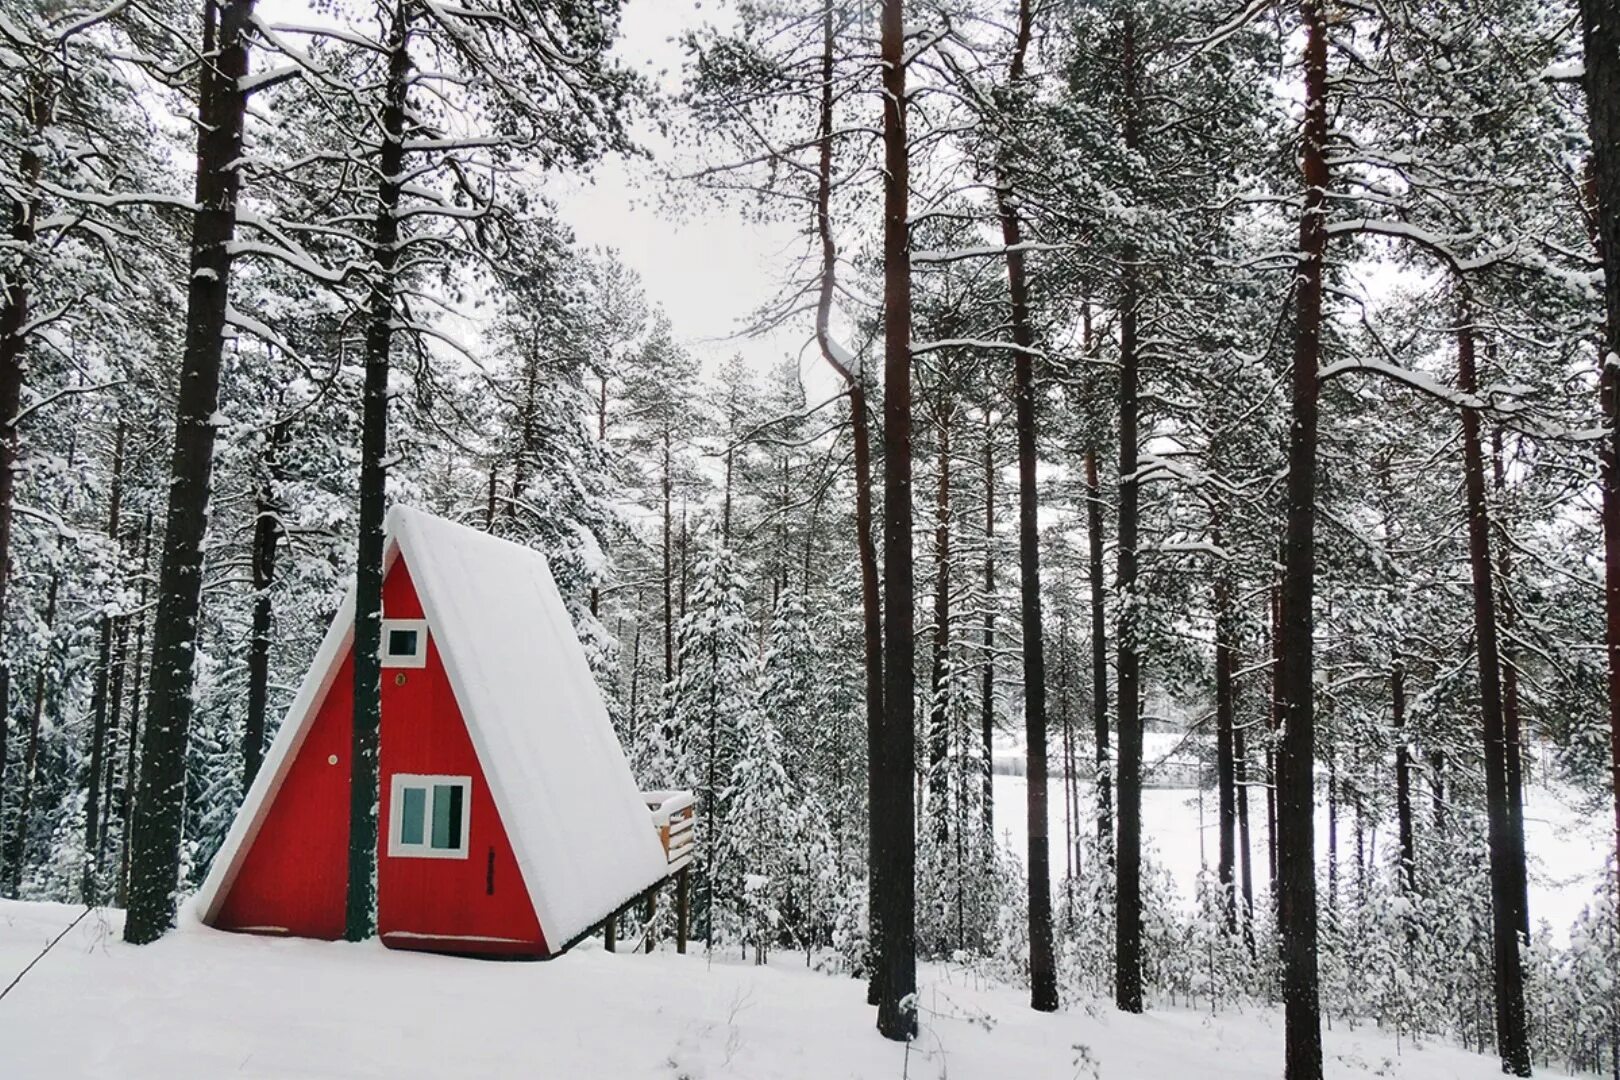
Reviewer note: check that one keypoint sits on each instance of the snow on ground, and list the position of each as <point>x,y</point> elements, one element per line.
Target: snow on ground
<point>202,1003</point>
<point>1566,848</point>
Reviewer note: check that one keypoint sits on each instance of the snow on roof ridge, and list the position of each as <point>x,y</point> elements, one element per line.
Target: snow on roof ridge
<point>578,826</point>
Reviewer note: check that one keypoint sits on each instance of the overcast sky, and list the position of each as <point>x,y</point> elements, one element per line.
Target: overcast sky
<point>709,270</point>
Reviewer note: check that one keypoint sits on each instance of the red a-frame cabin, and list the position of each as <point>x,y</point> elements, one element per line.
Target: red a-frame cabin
<point>509,823</point>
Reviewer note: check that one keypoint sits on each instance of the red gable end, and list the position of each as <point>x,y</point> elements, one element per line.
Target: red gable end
<point>293,876</point>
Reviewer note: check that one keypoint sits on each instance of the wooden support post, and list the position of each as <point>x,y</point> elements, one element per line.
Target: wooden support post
<point>610,933</point>
<point>651,936</point>
<point>683,908</point>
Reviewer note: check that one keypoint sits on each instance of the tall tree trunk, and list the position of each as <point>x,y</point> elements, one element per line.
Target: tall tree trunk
<point>601,437</point>
<point>359,911</point>
<point>1296,751</point>
<point>892,811</point>
<point>854,376</point>
<point>526,424</point>
<point>1071,796</point>
<point>666,485</point>
<point>38,106</point>
<point>1225,739</point>
<point>1333,834</point>
<point>1600,35</point>
<point>89,886</point>
<point>939,792</point>
<point>160,808</point>
<point>1506,849</point>
<point>19,837</point>
<point>1128,847</point>
<point>1273,727</point>
<point>5,750</point>
<point>1099,656</point>
<point>1403,775</point>
<point>987,678</point>
<point>683,576</point>
<point>267,530</point>
<point>1042,967</point>
<point>1512,728</point>
<point>1240,752</point>
<point>126,797</point>
<point>725,505</point>
<point>1437,788</point>
<point>120,668</point>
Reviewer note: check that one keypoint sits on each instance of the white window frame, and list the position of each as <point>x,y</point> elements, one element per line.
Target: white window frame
<point>397,848</point>
<point>405,660</point>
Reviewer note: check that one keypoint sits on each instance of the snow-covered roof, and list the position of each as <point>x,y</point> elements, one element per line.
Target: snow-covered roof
<point>578,827</point>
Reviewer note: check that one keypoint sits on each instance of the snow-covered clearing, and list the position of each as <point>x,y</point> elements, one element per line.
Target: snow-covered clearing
<point>1566,848</point>
<point>202,1003</point>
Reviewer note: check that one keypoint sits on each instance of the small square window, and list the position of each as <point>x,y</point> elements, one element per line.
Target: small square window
<point>429,818</point>
<point>404,643</point>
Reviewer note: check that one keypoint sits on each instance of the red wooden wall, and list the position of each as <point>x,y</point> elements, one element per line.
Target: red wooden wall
<point>294,876</point>
<point>295,873</point>
<point>423,732</point>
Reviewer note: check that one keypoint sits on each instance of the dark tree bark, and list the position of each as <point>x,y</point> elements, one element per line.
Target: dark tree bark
<point>19,836</point>
<point>939,793</point>
<point>1405,835</point>
<point>38,107</point>
<point>1437,788</point>
<point>89,883</point>
<point>1600,36</point>
<point>1042,967</point>
<point>1273,725</point>
<point>725,504</point>
<point>855,381</point>
<point>666,485</point>
<point>1296,751</point>
<point>1333,833</point>
<point>1240,752</point>
<point>893,809</point>
<point>1506,849</point>
<point>1128,846</point>
<point>525,450</point>
<point>1403,774</point>
<point>266,535</point>
<point>1512,729</point>
<point>1071,796</point>
<point>160,809</point>
<point>683,575</point>
<point>1103,777</point>
<point>601,437</point>
<point>5,722</point>
<point>1225,740</point>
<point>126,796</point>
<point>359,911</point>
<point>120,669</point>
<point>987,679</point>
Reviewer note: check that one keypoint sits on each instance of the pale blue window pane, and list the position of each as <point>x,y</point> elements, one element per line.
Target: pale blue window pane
<point>412,814</point>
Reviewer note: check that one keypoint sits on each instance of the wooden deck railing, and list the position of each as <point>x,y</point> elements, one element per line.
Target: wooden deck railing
<point>674,815</point>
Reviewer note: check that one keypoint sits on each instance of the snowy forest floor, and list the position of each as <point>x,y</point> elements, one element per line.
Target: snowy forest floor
<point>201,1003</point>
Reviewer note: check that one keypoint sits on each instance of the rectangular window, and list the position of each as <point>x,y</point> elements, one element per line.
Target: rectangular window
<point>429,818</point>
<point>404,643</point>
